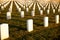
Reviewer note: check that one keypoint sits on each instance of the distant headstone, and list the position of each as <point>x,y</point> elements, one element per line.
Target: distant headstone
<point>27,9</point>
<point>59,10</point>
<point>44,8</point>
<point>8,15</point>
<point>22,14</point>
<point>57,19</point>
<point>33,13</point>
<point>48,11</point>
<point>2,7</point>
<point>41,12</point>
<point>19,9</point>
<point>53,10</point>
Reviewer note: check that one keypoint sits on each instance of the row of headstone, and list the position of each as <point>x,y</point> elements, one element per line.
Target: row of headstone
<point>44,8</point>
<point>52,6</point>
<point>39,6</point>
<point>11,6</point>
<point>22,12</point>
<point>31,5</point>
<point>41,11</point>
<point>32,13</point>
<point>49,5</point>
<point>3,3</point>
<point>34,7</point>
<point>46,23</point>
<point>48,10</point>
<point>4,6</point>
<point>55,5</point>
<point>21,5</point>
<point>19,9</point>
<point>4,28</point>
<point>27,9</point>
<point>8,15</point>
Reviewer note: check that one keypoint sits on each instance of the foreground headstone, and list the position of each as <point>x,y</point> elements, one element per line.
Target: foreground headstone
<point>22,14</point>
<point>8,15</point>
<point>57,19</point>
<point>4,29</point>
<point>45,21</point>
<point>29,25</point>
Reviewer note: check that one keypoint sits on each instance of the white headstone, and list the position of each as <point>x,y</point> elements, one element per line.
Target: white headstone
<point>57,19</point>
<point>30,25</point>
<point>19,9</point>
<point>45,21</point>
<point>53,10</point>
<point>48,11</point>
<point>22,14</point>
<point>4,31</point>
<point>2,7</point>
<point>39,8</point>
<point>24,7</point>
<point>33,13</point>
<point>41,12</point>
<point>27,9</point>
<point>8,15</point>
<point>44,8</point>
<point>56,7</point>
<point>59,10</point>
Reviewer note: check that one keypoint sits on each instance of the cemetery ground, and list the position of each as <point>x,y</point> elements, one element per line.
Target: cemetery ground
<point>18,25</point>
